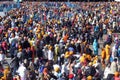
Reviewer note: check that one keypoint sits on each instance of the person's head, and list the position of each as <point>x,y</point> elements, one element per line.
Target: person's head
<point>115,59</point>
<point>108,64</point>
<point>71,76</point>
<point>89,78</point>
<point>116,74</point>
<point>95,40</point>
<point>90,64</point>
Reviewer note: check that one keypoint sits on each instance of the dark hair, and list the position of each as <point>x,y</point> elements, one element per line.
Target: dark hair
<point>115,59</point>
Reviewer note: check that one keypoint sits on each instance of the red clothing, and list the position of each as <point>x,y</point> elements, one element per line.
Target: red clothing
<point>117,78</point>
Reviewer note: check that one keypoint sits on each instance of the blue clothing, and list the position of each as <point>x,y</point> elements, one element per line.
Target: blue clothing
<point>95,47</point>
<point>118,52</point>
<point>96,29</point>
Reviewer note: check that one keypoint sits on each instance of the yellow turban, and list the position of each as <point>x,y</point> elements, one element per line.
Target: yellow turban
<point>20,49</point>
<point>39,36</point>
<point>67,54</point>
<point>56,69</point>
<point>89,78</point>
<point>82,59</point>
<point>116,74</point>
<point>71,52</point>
<point>50,47</point>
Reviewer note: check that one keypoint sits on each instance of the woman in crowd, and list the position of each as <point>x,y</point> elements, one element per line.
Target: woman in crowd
<point>52,41</point>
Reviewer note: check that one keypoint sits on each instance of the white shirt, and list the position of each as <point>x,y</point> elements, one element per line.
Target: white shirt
<point>10,40</point>
<point>22,71</point>
<point>106,72</point>
<point>50,55</point>
<point>113,51</point>
<point>2,56</point>
<point>19,54</point>
<point>45,53</point>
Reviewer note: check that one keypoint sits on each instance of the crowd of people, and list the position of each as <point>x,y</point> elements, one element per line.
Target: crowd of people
<point>61,41</point>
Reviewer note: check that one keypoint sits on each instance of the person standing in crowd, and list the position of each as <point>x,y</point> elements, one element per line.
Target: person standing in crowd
<point>95,47</point>
<point>114,66</point>
<point>60,41</point>
<point>22,71</point>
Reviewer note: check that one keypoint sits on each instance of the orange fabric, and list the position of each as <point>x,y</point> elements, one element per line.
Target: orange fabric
<point>65,38</point>
<point>45,71</point>
<point>67,54</point>
<point>88,57</point>
<point>116,74</point>
<point>106,21</point>
<point>107,50</point>
<point>110,11</point>
<point>6,71</point>
<point>103,54</point>
<point>82,59</point>
<point>71,52</point>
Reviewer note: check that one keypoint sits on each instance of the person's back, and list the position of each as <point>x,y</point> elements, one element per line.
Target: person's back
<point>22,72</point>
<point>114,66</point>
<point>107,71</point>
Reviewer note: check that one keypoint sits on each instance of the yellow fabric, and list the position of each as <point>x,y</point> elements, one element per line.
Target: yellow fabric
<point>6,71</point>
<point>56,69</point>
<point>31,42</point>
<point>71,52</point>
<point>82,59</point>
<point>67,54</point>
<point>50,47</point>
<point>56,53</point>
<point>89,78</point>
<point>116,74</point>
<point>42,32</point>
<point>110,11</point>
<point>39,36</point>
<point>6,35</point>
<point>103,54</point>
<point>88,57</point>
<point>20,49</point>
<point>31,31</point>
<point>57,49</point>
<point>38,31</point>
<point>90,64</point>
<point>107,50</point>
<point>107,57</point>
<point>94,62</point>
